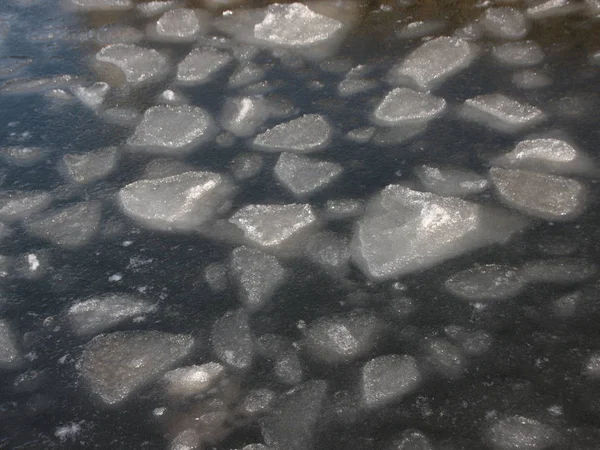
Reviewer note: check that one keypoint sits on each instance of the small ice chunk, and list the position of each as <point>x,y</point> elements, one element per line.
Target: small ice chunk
<point>343,208</point>
<point>295,25</point>
<point>361,135</point>
<point>215,276</point>
<point>10,355</point>
<point>259,276</point>
<point>505,23</point>
<point>405,106</point>
<point>592,366</point>
<point>343,338</point>
<point>117,365</point>
<point>117,34</point>
<point>32,265</point>
<point>398,135</point>
<point>329,251</point>
<point>68,432</point>
<point>17,205</point>
<point>155,8</point>
<point>192,380</point>
<point>519,54</point>
<point>412,440</point>
<point>137,65</point>
<point>92,96</point>
<point>546,196</point>
<point>553,8</point>
<point>447,359</point>
<point>180,25</point>
<point>201,64</point>
<point>420,29</point>
<point>258,401</point>
<point>434,62</point>
<point>232,340</point>
<point>121,116</point>
<point>387,379</point>
<point>303,176</point>
<point>284,357</point>
<point>172,130</point>
<point>558,270</point>
<point>100,313</point>
<point>100,5</point>
<point>352,85</point>
<point>177,203</point>
<point>549,155</point>
<point>451,182</point>
<point>247,74</point>
<point>531,79</point>
<point>70,227</point>
<point>474,343</point>
<point>164,167</point>
<point>520,433</point>
<point>23,156</point>
<point>502,113</point>
<point>305,134</point>
<point>486,282</point>
<point>243,115</point>
<point>172,98</point>
<point>246,166</point>
<point>84,168</point>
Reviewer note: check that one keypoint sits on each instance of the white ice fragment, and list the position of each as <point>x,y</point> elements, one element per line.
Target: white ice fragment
<point>343,208</point>
<point>180,25</point>
<point>23,156</point>
<point>232,340</point>
<point>531,79</point>
<point>505,23</point>
<point>17,205</point>
<point>308,133</point>
<point>10,355</point>
<point>247,165</point>
<point>361,135</point>
<point>450,182</point>
<point>84,168</point>
<point>387,379</point>
<point>303,176</point>
<point>553,8</point>
<point>520,433</point>
<point>519,54</point>
<point>247,74</point>
<point>137,65</point>
<point>92,96</point>
<point>558,270</point>
<point>192,380</point>
<point>243,115</point>
<point>155,8</point>
<point>447,359</point>
<point>201,64</point>
<point>404,106</point>
<point>592,366</point>
<point>172,98</point>
<point>68,432</point>
<point>486,282</point>
<point>502,113</point>
<point>419,29</point>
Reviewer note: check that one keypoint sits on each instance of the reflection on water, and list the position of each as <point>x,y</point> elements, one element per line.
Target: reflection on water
<point>299,226</point>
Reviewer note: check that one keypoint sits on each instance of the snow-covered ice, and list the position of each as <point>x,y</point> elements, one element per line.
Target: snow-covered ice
<point>502,113</point>
<point>486,282</point>
<point>519,54</point>
<point>189,381</point>
<point>303,175</point>
<point>242,116</point>
<point>387,379</point>
<point>83,168</point>
<point>201,64</point>
<point>17,205</point>
<point>233,341</point>
<point>505,23</point>
<point>306,134</point>
<point>178,25</point>
<point>133,64</point>
<point>405,106</point>
<point>451,182</point>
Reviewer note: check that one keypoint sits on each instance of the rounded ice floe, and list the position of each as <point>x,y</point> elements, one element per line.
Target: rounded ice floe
<point>117,365</point>
<point>434,62</point>
<point>558,270</point>
<point>343,208</point>
<point>445,358</point>
<point>92,96</point>
<point>531,79</point>
<point>303,176</point>
<point>10,354</point>
<point>519,54</point>
<point>178,25</point>
<point>505,23</point>
<point>247,74</point>
<point>137,65</point>
<point>17,205</point>
<point>502,113</point>
<point>103,312</point>
<point>100,5</point>
<point>232,340</point>
<point>387,379</point>
<point>546,196</point>
<point>405,106</point>
<point>83,168</point>
<point>520,433</point>
<point>181,202</point>
<point>172,130</point>
<point>247,165</point>
<point>329,251</point>
<point>243,115</point>
<point>486,282</point>
<point>553,8</point>
<point>308,133</point>
<point>192,380</point>
<point>155,7</point>
<point>592,366</point>
<point>451,182</point>
<point>201,64</point>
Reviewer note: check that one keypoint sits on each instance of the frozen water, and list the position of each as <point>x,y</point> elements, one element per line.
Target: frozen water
<point>531,79</point>
<point>361,135</point>
<point>23,156</point>
<point>17,205</point>
<point>92,96</point>
<point>287,366</point>
<point>451,182</point>
<point>32,265</point>
<point>201,64</point>
<point>343,208</point>
<point>121,116</point>
<point>592,366</point>
<point>547,155</point>
<point>163,167</point>
<point>447,359</point>
<point>243,115</point>
<point>304,176</point>
<point>419,29</point>
<point>172,98</point>
<point>117,365</point>
<point>232,340</point>
<point>84,168</point>
<point>519,54</point>
<point>117,34</point>
<point>10,354</point>
<point>343,338</point>
<point>100,313</point>
<point>486,282</point>
<point>412,440</point>
<point>215,276</point>
<point>192,380</point>
<point>329,251</point>
<point>473,343</point>
<point>275,227</point>
<point>32,85</point>
<point>387,379</point>
<point>247,165</point>
<point>505,23</point>
<point>546,196</point>
<point>155,8</point>
<point>502,113</point>
<point>292,423</point>
<point>257,402</point>
<point>553,8</point>
<point>259,276</point>
<point>404,231</point>
<point>172,130</point>
<point>351,86</point>
<point>434,62</point>
<point>520,433</point>
<point>100,5</point>
<point>305,134</point>
<point>181,202</point>
<point>247,74</point>
<point>399,134</point>
<point>70,227</point>
<point>137,65</point>
<point>404,106</point>
<point>295,25</point>
<point>178,25</point>
<point>558,270</point>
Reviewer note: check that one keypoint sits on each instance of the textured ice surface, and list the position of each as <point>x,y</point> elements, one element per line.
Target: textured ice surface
<point>421,28</point>
<point>450,182</point>
<point>387,379</point>
<point>473,343</point>
<point>171,97</point>
<point>434,62</point>
<point>103,312</point>
<point>549,197</point>
<point>92,96</point>
<point>343,337</point>
<point>558,270</point>
<point>520,433</point>
<point>17,205</point>
<point>548,155</point>
<point>519,54</point>
<point>274,227</point>
<point>330,251</point>
<point>117,34</point>
<point>201,64</point>
<point>117,365</point>
<point>283,355</point>
<point>305,134</point>
<point>486,282</point>
<point>303,175</point>
<point>404,231</point>
<point>247,165</point>
<point>446,358</point>
<point>177,25</point>
<point>531,79</point>
<point>412,440</point>
<point>343,208</point>
<point>257,402</point>
<point>502,113</point>
<point>553,8</point>
<point>23,156</point>
<point>70,227</point>
<point>10,355</point>
<point>247,74</point>
<point>155,8</point>
<point>83,168</point>
<point>292,423</point>
<point>295,25</point>
<point>405,106</point>
<point>258,275</point>
<point>192,380</point>
<point>215,276</point>
<point>232,340</point>
<point>243,115</point>
<point>505,23</point>
<point>172,130</point>
<point>137,65</point>
<point>100,5</point>
<point>177,203</point>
